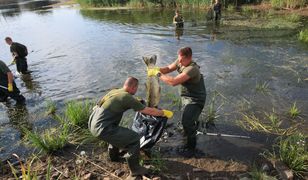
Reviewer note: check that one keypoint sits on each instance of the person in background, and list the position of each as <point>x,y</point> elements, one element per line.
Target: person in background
<point>19,53</point>
<point>8,87</point>
<point>217,10</point>
<point>178,20</point>
<point>106,116</point>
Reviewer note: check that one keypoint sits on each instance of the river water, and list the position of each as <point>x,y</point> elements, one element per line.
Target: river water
<point>78,54</point>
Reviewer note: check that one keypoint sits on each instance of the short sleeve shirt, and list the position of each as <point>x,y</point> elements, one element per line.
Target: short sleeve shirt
<point>109,112</point>
<point>192,70</point>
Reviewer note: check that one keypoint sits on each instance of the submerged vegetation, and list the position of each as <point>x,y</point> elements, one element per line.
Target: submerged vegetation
<point>303,36</point>
<point>294,111</point>
<point>269,124</point>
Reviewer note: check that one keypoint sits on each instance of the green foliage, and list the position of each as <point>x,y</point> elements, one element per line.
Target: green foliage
<point>27,172</point>
<point>51,107</point>
<point>78,113</point>
<point>262,87</point>
<point>293,152</point>
<point>288,3</point>
<point>157,162</point>
<point>269,124</point>
<point>293,17</point>
<point>258,174</point>
<point>98,3</point>
<point>275,122</point>
<point>303,36</point>
<point>293,111</point>
<point>50,140</point>
<point>231,8</point>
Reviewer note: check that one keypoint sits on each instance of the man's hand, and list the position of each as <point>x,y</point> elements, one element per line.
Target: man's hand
<point>167,113</point>
<point>153,71</point>
<point>13,61</point>
<point>10,87</point>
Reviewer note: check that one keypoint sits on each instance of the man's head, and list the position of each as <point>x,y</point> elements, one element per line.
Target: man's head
<point>131,85</point>
<point>8,40</point>
<point>185,56</point>
<point>177,12</point>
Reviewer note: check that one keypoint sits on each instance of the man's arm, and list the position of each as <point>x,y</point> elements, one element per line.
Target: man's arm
<point>173,81</point>
<point>168,69</point>
<point>152,111</point>
<point>10,77</point>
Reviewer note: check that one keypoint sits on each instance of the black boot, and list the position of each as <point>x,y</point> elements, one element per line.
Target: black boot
<point>134,166</point>
<point>114,154</point>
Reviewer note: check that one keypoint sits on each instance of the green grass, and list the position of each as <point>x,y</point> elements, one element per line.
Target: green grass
<point>51,107</point>
<point>262,87</point>
<point>294,111</point>
<point>231,8</point>
<point>258,174</point>
<point>287,3</point>
<point>269,124</point>
<point>50,140</point>
<point>158,163</point>
<point>303,36</point>
<point>78,113</point>
<point>293,17</point>
<point>275,122</point>
<point>27,173</point>
<point>293,151</point>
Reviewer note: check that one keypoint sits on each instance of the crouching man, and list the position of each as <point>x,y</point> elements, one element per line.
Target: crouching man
<point>106,116</point>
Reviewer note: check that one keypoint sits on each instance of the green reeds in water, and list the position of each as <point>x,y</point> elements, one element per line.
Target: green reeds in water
<point>294,111</point>
<point>50,140</point>
<point>303,36</point>
<point>51,107</point>
<point>293,151</point>
<point>212,110</point>
<point>78,113</point>
<point>269,124</point>
<point>262,87</point>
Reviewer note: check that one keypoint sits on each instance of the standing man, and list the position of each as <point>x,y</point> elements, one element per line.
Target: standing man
<point>178,20</point>
<point>19,53</point>
<point>106,116</point>
<point>217,10</point>
<point>193,93</point>
<point>7,85</point>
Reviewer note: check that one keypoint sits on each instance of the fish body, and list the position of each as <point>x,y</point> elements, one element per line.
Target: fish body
<point>152,85</point>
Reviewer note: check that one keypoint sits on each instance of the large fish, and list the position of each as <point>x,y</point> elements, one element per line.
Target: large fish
<point>152,85</point>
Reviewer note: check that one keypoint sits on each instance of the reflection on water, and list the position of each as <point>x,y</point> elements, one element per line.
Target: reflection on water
<point>79,54</point>
<point>19,117</point>
<point>10,8</point>
<point>178,32</point>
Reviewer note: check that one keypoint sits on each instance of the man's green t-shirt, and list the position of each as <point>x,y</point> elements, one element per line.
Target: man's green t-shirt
<point>109,111</point>
<point>193,89</point>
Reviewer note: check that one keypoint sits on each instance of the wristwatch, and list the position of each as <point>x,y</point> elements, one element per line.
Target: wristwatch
<point>158,74</point>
